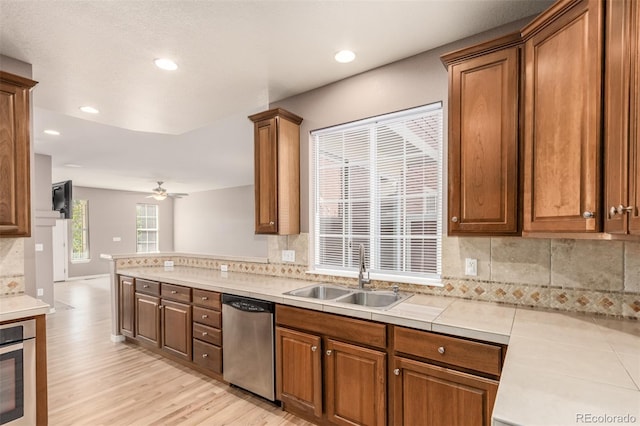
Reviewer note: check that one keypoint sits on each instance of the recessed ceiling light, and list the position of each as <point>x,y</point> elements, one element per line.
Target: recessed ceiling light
<point>52,132</point>
<point>166,64</point>
<point>89,109</point>
<point>345,56</point>
<point>73,166</point>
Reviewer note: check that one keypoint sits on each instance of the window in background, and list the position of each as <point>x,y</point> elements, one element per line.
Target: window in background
<point>146,228</point>
<point>80,230</point>
<point>378,182</point>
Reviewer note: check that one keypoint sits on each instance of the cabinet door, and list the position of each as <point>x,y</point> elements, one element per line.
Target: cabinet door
<point>634,143</point>
<point>15,199</point>
<point>563,79</point>
<point>176,328</point>
<point>355,384</point>
<point>147,312</point>
<point>427,395</point>
<point>266,176</point>
<point>298,370</point>
<point>483,144</point>
<point>127,306</point>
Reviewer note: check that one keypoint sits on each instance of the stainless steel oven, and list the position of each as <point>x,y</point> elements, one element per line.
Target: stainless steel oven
<point>18,373</point>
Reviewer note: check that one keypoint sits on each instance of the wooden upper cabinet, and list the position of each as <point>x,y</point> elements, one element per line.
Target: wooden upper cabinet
<point>622,107</point>
<point>484,138</point>
<point>277,172</point>
<point>15,144</point>
<point>562,121</point>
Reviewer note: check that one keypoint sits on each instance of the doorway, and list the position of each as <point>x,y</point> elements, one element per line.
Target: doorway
<point>60,252</point>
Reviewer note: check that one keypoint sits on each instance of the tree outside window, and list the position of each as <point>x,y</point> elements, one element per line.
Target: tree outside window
<point>80,230</point>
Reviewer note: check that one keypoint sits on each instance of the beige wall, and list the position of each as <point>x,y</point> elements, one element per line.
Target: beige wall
<point>113,214</point>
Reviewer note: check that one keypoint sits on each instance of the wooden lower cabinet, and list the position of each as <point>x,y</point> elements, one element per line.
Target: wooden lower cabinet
<point>126,308</point>
<point>147,314</point>
<point>429,395</point>
<point>176,329</point>
<point>299,370</point>
<point>355,384</point>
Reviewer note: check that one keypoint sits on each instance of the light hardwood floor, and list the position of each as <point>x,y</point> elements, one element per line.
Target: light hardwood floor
<point>93,381</point>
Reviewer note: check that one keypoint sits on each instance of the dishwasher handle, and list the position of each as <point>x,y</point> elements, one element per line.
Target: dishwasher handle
<point>247,304</point>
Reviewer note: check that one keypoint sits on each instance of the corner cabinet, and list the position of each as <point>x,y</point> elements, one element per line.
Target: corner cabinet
<point>15,148</point>
<point>484,138</point>
<point>622,109</point>
<point>277,172</point>
<point>562,120</point>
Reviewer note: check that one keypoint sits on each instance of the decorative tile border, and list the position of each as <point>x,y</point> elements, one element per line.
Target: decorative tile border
<point>610,303</point>
<point>11,285</point>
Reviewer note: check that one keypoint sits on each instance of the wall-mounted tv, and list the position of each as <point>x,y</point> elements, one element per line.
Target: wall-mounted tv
<point>62,198</point>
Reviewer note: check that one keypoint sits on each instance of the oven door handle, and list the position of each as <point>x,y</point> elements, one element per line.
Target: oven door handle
<point>11,348</point>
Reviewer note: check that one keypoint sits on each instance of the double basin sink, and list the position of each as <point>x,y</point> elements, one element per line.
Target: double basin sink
<point>369,298</point>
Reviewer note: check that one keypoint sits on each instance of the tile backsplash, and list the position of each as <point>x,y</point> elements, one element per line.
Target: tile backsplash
<point>592,276</point>
<point>11,265</point>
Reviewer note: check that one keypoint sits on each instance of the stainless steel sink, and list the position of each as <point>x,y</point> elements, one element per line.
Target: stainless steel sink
<point>319,291</point>
<point>374,299</point>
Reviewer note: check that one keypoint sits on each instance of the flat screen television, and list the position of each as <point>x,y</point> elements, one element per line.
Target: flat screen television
<point>62,198</point>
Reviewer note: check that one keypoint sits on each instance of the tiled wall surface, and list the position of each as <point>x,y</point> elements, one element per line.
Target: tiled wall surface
<point>569,275</point>
<point>11,265</point>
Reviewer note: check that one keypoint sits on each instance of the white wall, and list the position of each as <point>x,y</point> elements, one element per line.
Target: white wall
<point>218,222</point>
<point>113,214</point>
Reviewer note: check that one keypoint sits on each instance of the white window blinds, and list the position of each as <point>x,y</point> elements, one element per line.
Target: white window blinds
<point>378,182</point>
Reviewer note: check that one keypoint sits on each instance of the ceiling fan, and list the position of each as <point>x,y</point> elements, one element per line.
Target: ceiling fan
<point>160,193</point>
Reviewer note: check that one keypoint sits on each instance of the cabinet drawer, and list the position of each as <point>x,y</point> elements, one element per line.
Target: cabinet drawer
<point>147,287</point>
<point>476,356</point>
<point>207,299</point>
<point>207,356</point>
<point>207,334</point>
<point>207,317</point>
<point>175,292</point>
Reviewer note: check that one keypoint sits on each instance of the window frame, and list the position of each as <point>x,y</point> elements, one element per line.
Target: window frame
<point>84,217</point>
<point>434,279</point>
<point>147,229</point>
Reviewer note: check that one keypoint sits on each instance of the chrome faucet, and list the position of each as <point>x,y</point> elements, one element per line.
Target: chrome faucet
<point>361,279</point>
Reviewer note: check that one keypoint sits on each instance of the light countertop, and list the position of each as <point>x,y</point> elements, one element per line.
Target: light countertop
<point>20,306</point>
<point>560,369</point>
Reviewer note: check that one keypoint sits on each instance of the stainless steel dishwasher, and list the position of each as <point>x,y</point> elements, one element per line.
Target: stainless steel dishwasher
<point>248,344</point>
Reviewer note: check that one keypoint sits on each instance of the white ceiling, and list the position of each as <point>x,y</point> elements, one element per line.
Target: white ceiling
<point>189,128</point>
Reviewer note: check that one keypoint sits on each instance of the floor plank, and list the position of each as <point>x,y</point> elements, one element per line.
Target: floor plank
<point>93,381</point>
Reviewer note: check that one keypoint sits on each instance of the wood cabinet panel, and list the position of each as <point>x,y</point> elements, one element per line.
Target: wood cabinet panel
<point>634,143</point>
<point>563,76</point>
<point>126,309</point>
<point>207,334</point>
<point>147,313</point>
<point>176,328</point>
<point>266,172</point>
<point>175,292</point>
<point>428,395</point>
<point>467,354</point>
<point>207,299</point>
<point>207,356</point>
<point>147,287</point>
<point>356,384</point>
<point>207,317</point>
<point>298,370</point>
<point>483,142</point>
<point>15,152</point>
<point>350,329</point>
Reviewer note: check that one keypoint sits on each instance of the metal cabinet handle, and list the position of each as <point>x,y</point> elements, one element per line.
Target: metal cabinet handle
<point>272,223</point>
<point>396,371</point>
<point>205,298</point>
<point>589,215</point>
<point>329,352</point>
<point>205,316</point>
<point>613,211</point>
<point>441,350</point>
<point>145,285</point>
<point>620,210</point>
<point>204,333</point>
<point>205,355</point>
<point>314,348</point>
<point>159,306</point>
<point>173,292</point>
<point>454,219</point>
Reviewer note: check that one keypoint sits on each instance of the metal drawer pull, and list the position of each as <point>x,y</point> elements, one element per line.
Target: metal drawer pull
<point>173,292</point>
<point>205,316</point>
<point>205,355</point>
<point>159,306</point>
<point>314,348</point>
<point>454,219</point>
<point>396,371</point>
<point>441,350</point>
<point>205,298</point>
<point>204,333</point>
<point>329,352</point>
<point>589,215</point>
<point>272,223</point>
<point>145,286</point>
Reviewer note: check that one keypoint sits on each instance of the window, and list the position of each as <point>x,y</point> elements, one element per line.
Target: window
<point>146,228</point>
<point>80,230</point>
<point>378,182</point>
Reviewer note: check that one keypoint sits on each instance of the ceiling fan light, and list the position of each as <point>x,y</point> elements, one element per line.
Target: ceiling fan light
<point>159,197</point>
